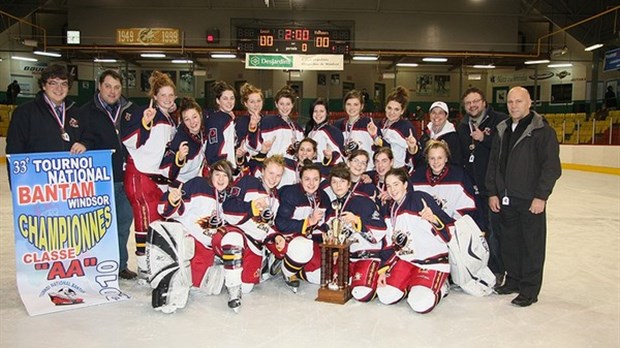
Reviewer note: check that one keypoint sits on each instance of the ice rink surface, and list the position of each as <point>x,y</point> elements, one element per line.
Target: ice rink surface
<point>579,305</point>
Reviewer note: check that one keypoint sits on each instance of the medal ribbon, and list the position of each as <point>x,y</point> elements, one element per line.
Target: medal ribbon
<point>59,115</point>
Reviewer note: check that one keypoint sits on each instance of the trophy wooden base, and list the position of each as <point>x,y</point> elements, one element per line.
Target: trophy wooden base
<point>334,296</point>
<point>335,286</point>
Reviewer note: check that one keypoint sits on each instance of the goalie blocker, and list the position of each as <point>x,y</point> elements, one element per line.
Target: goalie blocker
<point>168,251</point>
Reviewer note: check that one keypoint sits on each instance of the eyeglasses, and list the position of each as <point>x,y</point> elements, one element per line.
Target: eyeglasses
<point>55,84</point>
<point>475,101</point>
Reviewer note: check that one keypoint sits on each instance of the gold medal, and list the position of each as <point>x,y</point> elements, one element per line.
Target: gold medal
<point>65,136</point>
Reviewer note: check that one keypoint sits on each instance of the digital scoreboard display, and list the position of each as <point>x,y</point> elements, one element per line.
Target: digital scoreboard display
<point>293,40</point>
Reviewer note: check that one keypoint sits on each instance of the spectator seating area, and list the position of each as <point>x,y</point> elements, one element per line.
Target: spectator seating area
<point>577,128</point>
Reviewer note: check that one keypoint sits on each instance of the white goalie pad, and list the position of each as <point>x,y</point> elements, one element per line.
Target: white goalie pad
<point>168,251</point>
<point>469,256</point>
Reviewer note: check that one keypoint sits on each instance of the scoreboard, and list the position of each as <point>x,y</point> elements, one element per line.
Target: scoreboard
<point>297,40</point>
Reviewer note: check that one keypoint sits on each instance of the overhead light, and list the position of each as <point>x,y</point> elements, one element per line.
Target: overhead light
<point>26,59</point>
<point>410,65</point>
<point>560,65</point>
<point>47,54</point>
<point>435,59</point>
<point>474,77</point>
<point>481,66</point>
<point>593,47</point>
<point>30,43</point>
<point>366,58</point>
<point>152,55</point>
<point>104,60</point>
<point>182,61</point>
<point>541,61</point>
<point>223,55</point>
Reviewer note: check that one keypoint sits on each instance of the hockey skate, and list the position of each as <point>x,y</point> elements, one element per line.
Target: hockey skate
<point>143,270</point>
<point>234,297</point>
<point>292,283</point>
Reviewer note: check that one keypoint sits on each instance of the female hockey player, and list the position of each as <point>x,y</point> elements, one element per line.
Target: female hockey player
<point>397,133</point>
<point>361,221</point>
<point>448,184</point>
<point>330,142</point>
<point>220,126</point>
<point>145,136</point>
<point>301,219</point>
<point>355,126</point>
<point>417,233</point>
<point>282,132</point>
<point>185,154</point>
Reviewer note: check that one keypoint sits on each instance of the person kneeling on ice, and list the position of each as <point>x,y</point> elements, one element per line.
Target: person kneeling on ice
<point>301,220</point>
<point>417,235</point>
<point>198,205</point>
<point>364,226</point>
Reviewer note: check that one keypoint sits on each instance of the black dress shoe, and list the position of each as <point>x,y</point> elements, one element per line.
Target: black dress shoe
<point>127,274</point>
<point>506,289</point>
<point>523,301</point>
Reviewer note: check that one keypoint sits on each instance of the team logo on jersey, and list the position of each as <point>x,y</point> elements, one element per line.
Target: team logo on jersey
<point>74,123</point>
<point>235,191</point>
<point>127,116</point>
<point>487,131</point>
<point>376,215</point>
<point>213,136</point>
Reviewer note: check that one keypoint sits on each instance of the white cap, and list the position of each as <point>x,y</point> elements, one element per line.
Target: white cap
<point>443,106</point>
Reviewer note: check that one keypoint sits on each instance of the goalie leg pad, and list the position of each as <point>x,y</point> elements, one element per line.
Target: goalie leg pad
<point>426,290</point>
<point>389,294</point>
<point>171,292</point>
<point>168,250</point>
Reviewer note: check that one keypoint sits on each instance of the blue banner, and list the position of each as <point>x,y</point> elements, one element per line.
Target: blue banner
<point>66,241</point>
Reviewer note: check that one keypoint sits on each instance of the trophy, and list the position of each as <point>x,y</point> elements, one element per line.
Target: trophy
<point>335,287</point>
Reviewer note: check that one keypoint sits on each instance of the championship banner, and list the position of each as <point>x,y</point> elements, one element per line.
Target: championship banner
<point>66,242</point>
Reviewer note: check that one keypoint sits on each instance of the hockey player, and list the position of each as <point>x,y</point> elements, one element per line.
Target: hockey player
<point>397,133</point>
<point>418,231</point>
<point>447,184</point>
<point>220,126</point>
<point>306,153</point>
<point>358,162</point>
<point>246,126</point>
<point>301,219</point>
<point>145,135</point>
<point>330,142</point>
<point>384,162</point>
<point>185,154</point>
<point>199,206</point>
<point>282,132</point>
<point>361,219</point>
<point>251,207</point>
<point>354,128</point>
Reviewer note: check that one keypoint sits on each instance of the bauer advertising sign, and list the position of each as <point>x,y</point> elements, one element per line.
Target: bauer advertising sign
<point>66,243</point>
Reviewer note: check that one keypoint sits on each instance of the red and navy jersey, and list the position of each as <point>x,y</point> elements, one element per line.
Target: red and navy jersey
<point>370,233</point>
<point>220,130</point>
<point>357,133</point>
<point>296,206</point>
<point>283,133</point>
<point>414,239</point>
<point>192,165</point>
<point>327,135</point>
<point>395,136</point>
<point>199,205</point>
<point>452,191</point>
<point>147,146</point>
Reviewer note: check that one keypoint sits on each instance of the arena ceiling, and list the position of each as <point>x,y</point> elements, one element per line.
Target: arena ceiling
<point>585,20</point>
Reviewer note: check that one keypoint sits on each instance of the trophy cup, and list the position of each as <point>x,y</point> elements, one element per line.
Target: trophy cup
<point>335,287</point>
